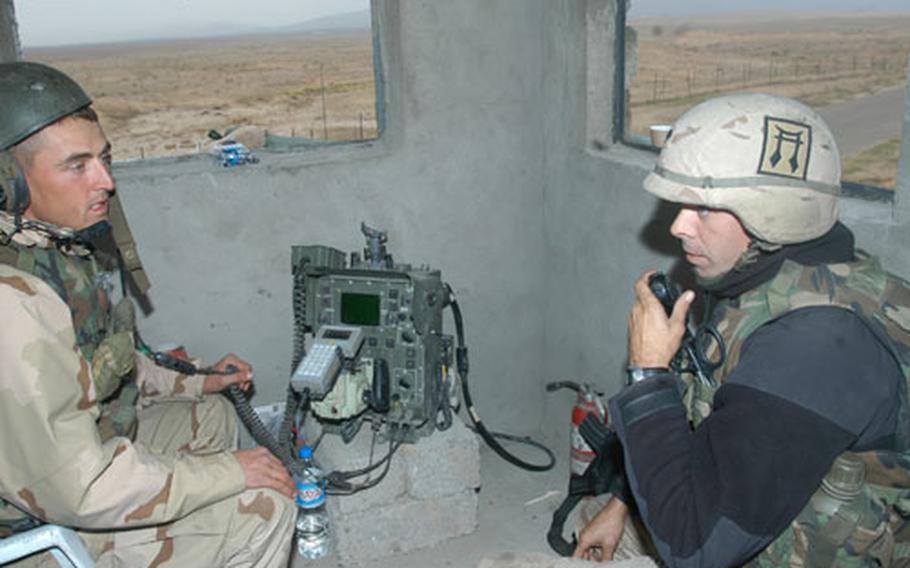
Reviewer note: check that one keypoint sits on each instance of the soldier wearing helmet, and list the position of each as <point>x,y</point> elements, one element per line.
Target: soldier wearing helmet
<point>795,451</point>
<point>141,460</point>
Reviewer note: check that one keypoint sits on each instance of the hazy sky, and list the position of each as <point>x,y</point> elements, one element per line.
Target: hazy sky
<point>683,7</point>
<point>55,22</point>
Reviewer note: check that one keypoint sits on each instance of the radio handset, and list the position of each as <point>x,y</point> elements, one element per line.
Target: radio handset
<point>665,289</point>
<point>668,292</point>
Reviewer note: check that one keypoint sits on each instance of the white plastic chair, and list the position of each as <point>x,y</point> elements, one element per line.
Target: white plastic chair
<point>64,544</point>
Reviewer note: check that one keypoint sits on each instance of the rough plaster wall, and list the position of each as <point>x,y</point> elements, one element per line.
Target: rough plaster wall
<point>483,173</point>
<point>457,183</point>
<point>595,212</point>
<point>9,38</point>
<point>603,230</point>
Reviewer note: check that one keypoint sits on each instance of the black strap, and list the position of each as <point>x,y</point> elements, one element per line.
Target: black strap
<point>560,545</point>
<point>605,474</point>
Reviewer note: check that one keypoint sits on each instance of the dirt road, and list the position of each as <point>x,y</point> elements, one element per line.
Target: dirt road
<point>861,123</point>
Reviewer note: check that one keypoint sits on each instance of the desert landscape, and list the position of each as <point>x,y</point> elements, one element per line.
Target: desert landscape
<point>819,59</point>
<point>160,98</point>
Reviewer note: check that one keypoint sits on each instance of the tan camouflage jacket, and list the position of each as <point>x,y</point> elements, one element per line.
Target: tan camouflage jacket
<point>54,463</point>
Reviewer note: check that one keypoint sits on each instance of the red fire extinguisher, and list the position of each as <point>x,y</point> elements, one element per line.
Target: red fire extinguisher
<point>587,402</point>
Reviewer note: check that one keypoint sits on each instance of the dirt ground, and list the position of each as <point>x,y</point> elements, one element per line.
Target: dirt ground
<point>820,60</point>
<point>159,98</point>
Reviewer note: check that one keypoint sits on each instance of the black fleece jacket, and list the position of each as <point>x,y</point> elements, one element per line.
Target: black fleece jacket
<point>808,386</point>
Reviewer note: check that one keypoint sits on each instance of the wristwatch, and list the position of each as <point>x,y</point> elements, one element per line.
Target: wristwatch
<point>638,374</point>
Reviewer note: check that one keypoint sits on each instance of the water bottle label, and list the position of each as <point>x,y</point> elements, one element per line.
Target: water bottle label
<point>310,495</point>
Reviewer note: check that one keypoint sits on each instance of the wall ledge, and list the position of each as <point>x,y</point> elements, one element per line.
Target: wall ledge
<point>269,161</point>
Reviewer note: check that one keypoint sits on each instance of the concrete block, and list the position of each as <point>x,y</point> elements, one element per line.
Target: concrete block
<point>403,527</point>
<point>428,496</point>
<point>443,464</point>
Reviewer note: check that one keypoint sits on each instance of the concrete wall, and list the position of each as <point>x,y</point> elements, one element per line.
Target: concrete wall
<point>488,170</point>
<point>602,229</point>
<point>9,35</point>
<point>599,223</point>
<point>456,180</point>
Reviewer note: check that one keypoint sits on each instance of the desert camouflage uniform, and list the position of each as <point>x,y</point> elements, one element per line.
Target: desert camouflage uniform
<point>883,301</point>
<point>165,494</point>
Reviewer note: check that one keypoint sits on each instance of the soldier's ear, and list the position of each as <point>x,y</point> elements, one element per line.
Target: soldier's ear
<point>13,187</point>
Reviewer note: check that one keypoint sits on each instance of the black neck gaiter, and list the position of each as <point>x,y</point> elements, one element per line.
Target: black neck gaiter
<point>833,247</point>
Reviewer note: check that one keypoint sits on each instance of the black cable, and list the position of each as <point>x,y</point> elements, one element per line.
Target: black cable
<point>461,357</point>
<point>258,430</point>
<point>337,483</point>
<point>283,447</point>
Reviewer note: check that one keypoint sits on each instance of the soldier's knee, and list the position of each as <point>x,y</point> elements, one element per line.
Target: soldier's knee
<point>288,509</point>
<point>269,507</point>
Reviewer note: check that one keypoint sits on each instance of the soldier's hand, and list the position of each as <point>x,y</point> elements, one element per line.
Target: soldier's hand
<point>599,539</point>
<point>242,377</point>
<point>653,337</point>
<point>262,469</point>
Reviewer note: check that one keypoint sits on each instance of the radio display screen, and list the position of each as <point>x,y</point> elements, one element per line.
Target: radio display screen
<point>359,309</point>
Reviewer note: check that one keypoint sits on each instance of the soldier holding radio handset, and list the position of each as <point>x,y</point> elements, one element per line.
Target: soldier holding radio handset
<point>776,432</point>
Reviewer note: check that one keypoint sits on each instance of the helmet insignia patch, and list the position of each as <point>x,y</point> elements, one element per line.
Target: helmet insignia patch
<point>786,148</point>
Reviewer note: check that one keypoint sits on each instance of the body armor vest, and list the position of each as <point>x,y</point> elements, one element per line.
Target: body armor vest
<point>865,527</point>
<point>105,335</point>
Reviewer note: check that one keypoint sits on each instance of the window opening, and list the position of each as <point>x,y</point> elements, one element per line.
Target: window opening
<point>851,67</point>
<point>166,75</point>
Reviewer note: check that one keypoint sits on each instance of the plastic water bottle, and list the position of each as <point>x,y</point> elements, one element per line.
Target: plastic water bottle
<point>312,532</point>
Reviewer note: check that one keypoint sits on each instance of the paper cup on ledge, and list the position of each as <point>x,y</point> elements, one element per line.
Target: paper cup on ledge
<point>660,133</point>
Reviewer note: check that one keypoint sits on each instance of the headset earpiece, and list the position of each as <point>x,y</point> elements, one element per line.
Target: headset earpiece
<point>13,188</point>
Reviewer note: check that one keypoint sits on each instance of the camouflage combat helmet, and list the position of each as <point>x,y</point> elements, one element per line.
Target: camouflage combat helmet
<point>770,160</point>
<point>33,96</point>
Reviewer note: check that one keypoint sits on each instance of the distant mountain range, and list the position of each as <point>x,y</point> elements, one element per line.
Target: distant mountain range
<point>361,20</point>
<point>337,23</point>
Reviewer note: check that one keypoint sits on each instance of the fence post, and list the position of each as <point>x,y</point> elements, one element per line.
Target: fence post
<point>325,123</point>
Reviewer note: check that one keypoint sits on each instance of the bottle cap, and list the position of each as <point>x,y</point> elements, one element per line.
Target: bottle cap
<point>306,452</point>
<point>845,480</point>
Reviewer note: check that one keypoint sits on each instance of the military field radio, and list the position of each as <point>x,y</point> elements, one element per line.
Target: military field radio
<point>378,351</point>
<point>368,347</point>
